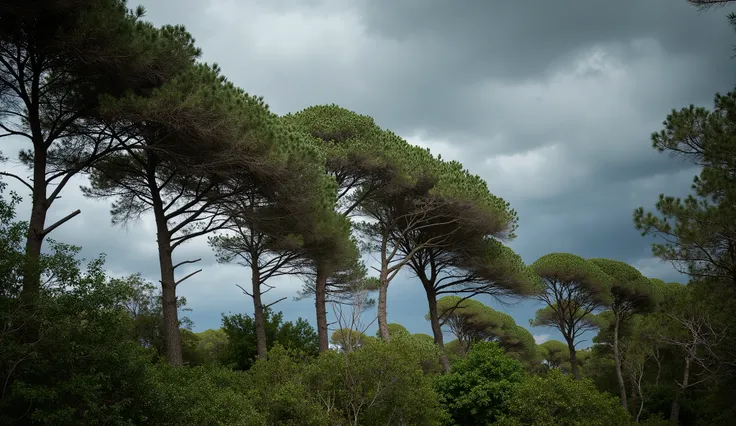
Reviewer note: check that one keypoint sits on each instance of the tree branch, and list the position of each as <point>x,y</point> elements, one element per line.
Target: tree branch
<point>273,303</point>
<point>188,276</point>
<point>186,262</point>
<point>23,181</point>
<point>60,222</point>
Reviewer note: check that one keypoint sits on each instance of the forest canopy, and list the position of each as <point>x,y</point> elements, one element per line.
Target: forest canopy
<point>96,92</point>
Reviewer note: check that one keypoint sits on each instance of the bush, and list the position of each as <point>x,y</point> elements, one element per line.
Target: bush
<point>477,389</point>
<point>196,395</point>
<point>558,399</point>
<point>381,383</point>
<point>277,386</point>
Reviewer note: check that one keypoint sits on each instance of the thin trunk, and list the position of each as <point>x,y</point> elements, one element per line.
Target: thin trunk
<point>675,412</point>
<point>573,359</point>
<point>436,328</point>
<point>320,302</point>
<point>260,320</point>
<point>659,367</point>
<point>382,299</point>
<point>617,359</point>
<point>640,393</point>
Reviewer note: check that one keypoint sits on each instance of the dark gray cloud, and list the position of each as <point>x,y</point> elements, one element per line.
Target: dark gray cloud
<point>553,103</point>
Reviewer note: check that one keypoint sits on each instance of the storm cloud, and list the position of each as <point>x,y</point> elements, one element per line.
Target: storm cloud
<point>553,103</point>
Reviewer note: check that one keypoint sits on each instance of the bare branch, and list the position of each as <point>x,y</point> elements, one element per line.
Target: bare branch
<point>186,262</point>
<point>273,303</point>
<point>60,222</point>
<point>188,276</point>
<point>23,181</point>
<point>244,290</point>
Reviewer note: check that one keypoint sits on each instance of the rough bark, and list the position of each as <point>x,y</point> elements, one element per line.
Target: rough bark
<point>439,338</point>
<point>258,314</point>
<point>382,301</point>
<point>172,335</point>
<point>617,361</point>
<point>320,301</point>
<point>675,411</point>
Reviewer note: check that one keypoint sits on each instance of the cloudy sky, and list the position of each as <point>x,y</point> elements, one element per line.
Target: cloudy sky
<point>553,103</point>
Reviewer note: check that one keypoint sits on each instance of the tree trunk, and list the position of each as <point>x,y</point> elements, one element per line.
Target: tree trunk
<point>320,302</point>
<point>675,411</point>
<point>36,224</point>
<point>260,320</point>
<point>172,335</point>
<point>39,203</point>
<point>617,360</point>
<point>633,393</point>
<point>382,299</point>
<point>434,320</point>
<point>573,359</point>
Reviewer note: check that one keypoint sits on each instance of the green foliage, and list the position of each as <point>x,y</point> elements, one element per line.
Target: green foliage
<point>555,353</point>
<point>477,389</point>
<point>379,383</point>
<point>394,329</point>
<point>559,400</point>
<point>564,269</point>
<point>698,229</point>
<point>348,340</point>
<point>99,91</point>
<point>211,346</point>
<point>279,388</point>
<point>84,354</point>
<point>241,336</point>
<point>631,291</point>
<point>575,289</point>
<point>197,395</point>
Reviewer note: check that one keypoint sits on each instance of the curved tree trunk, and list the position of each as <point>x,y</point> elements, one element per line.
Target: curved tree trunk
<point>439,338</point>
<point>320,302</point>
<point>617,360</point>
<point>258,314</point>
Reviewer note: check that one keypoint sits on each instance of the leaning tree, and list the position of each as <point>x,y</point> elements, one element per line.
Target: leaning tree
<point>362,159</point>
<point>270,232</point>
<point>445,218</point>
<point>472,258</point>
<point>574,290</point>
<point>193,143</point>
